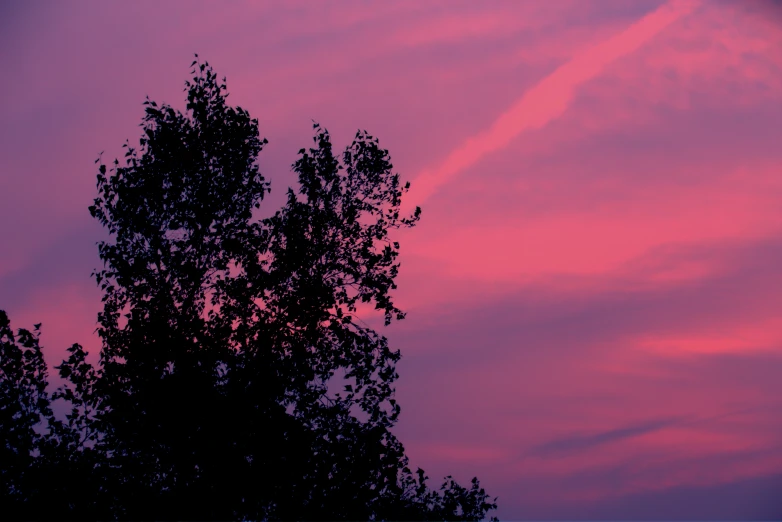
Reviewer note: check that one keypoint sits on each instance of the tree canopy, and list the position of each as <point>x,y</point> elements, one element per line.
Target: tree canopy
<point>235,379</point>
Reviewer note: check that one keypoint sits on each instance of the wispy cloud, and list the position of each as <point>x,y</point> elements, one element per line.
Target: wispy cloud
<point>583,442</point>
<point>548,99</point>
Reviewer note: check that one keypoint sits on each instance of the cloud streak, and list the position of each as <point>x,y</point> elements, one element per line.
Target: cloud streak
<point>550,98</point>
<point>584,442</point>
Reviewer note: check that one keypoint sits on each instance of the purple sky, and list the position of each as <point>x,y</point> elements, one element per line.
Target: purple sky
<point>594,293</point>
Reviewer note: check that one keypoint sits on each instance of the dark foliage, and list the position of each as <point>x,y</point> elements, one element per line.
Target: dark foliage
<point>224,340</point>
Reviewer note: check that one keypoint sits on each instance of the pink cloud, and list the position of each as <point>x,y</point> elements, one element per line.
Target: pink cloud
<point>761,336</point>
<point>550,98</point>
<point>590,381</point>
<point>739,205</point>
<point>723,55</point>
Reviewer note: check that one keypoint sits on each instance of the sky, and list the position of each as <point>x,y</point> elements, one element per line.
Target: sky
<point>594,291</point>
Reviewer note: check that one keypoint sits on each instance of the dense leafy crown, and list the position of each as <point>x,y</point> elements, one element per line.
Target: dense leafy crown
<point>224,335</point>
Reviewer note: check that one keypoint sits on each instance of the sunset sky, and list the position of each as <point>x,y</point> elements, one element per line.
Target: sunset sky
<point>594,292</point>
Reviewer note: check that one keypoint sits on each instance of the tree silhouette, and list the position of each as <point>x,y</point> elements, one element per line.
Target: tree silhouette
<point>235,379</point>
<point>24,404</point>
<point>46,464</point>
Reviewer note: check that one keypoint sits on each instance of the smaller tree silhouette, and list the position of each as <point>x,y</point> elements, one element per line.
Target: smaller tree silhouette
<point>47,465</point>
<point>24,404</point>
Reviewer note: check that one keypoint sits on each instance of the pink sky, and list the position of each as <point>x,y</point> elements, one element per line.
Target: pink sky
<point>594,291</point>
